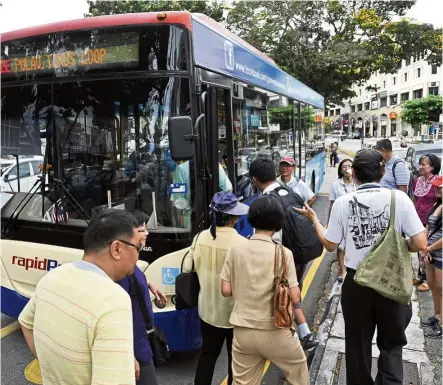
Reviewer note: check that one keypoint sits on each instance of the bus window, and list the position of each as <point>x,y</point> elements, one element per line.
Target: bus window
<point>114,145</point>
<point>262,123</point>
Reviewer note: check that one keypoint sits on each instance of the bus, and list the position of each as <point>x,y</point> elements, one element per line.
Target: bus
<point>148,112</point>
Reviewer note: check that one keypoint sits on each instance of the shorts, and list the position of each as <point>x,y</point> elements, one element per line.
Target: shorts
<point>437,263</point>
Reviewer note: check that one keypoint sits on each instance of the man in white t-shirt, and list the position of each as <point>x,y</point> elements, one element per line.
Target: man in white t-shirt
<point>359,219</point>
<point>264,177</point>
<point>287,179</point>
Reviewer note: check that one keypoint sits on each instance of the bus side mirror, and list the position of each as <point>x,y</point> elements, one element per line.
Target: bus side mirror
<point>6,177</point>
<point>181,138</point>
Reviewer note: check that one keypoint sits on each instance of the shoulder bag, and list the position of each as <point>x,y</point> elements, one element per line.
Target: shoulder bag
<point>187,285</point>
<point>283,308</point>
<point>157,339</point>
<point>387,268</point>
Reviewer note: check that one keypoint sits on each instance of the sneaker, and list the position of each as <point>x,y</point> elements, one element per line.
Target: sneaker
<point>430,322</point>
<point>309,342</point>
<point>434,333</point>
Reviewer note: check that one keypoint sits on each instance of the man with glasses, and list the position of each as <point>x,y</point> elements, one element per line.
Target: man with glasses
<point>397,175</point>
<point>78,323</point>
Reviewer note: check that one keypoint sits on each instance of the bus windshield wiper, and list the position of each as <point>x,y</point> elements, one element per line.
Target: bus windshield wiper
<point>16,213</point>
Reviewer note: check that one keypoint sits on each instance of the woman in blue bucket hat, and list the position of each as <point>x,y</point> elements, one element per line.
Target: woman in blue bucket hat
<point>209,251</point>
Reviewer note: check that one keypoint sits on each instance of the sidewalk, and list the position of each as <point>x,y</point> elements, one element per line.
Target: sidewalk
<point>422,363</point>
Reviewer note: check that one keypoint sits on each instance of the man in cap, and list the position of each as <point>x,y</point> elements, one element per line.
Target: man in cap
<point>287,179</point>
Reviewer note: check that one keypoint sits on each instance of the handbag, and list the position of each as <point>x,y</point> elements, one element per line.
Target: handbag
<point>283,308</point>
<point>157,339</point>
<point>187,285</point>
<point>387,268</point>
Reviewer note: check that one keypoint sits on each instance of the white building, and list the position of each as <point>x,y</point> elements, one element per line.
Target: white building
<point>378,110</point>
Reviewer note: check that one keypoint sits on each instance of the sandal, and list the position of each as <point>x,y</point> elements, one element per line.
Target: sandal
<point>423,288</point>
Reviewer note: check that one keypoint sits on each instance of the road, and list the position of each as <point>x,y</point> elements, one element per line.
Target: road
<point>15,356</point>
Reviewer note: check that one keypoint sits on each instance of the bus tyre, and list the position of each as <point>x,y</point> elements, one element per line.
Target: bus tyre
<point>313,182</point>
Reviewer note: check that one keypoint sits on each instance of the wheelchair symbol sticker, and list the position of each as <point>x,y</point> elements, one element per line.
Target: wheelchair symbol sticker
<point>169,274</point>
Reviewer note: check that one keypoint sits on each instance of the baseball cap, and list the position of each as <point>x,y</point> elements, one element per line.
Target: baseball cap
<point>438,182</point>
<point>288,159</point>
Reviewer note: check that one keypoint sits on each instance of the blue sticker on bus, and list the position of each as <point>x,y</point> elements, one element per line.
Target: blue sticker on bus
<point>169,274</point>
<point>179,188</point>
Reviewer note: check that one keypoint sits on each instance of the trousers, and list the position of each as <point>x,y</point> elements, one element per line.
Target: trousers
<point>252,347</point>
<point>213,340</point>
<point>147,374</point>
<point>364,310</point>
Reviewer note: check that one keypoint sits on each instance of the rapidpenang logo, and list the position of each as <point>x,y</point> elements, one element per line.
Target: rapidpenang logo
<point>35,263</point>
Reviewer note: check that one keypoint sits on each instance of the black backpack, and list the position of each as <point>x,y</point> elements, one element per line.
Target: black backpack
<point>298,234</point>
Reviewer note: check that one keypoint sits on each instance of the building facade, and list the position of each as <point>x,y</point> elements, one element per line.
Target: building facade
<point>376,110</point>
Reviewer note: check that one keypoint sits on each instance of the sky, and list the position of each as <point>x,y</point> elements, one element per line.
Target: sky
<point>17,14</point>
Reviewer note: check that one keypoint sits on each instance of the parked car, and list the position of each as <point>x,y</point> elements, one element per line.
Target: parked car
<point>415,152</point>
<point>28,171</point>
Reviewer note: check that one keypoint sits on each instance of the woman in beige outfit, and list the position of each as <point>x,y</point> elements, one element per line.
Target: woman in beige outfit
<point>248,276</point>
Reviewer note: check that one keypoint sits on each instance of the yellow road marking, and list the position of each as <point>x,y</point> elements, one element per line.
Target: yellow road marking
<point>265,369</point>
<point>11,328</point>
<point>306,284</point>
<point>33,373</point>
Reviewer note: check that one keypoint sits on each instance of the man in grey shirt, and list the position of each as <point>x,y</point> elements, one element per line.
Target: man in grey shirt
<point>397,174</point>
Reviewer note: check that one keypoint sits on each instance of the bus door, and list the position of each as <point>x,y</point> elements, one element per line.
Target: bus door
<point>220,151</point>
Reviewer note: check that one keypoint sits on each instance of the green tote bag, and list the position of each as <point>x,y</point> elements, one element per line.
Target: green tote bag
<point>387,268</point>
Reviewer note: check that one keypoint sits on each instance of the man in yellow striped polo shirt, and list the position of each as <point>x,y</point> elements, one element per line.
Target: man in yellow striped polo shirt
<point>79,321</point>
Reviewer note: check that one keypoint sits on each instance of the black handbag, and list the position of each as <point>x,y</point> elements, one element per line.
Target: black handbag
<point>157,339</point>
<point>187,286</point>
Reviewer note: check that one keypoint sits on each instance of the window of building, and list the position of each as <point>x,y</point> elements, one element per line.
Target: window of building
<point>393,100</point>
<point>331,113</point>
<point>418,72</point>
<point>359,107</point>
<point>352,109</point>
<point>434,70</point>
<point>405,76</point>
<point>383,102</point>
<point>408,61</point>
<point>417,94</point>
<point>326,113</point>
<point>337,111</point>
<point>433,90</point>
<point>394,81</point>
<point>415,58</point>
<point>367,106</point>
<point>404,97</point>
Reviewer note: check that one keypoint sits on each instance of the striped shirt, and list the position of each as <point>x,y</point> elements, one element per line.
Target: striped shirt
<point>401,177</point>
<point>82,326</point>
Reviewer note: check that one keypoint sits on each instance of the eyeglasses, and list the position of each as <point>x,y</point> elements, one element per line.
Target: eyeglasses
<point>138,247</point>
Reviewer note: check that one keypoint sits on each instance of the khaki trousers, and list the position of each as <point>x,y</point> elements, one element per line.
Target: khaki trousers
<point>252,347</point>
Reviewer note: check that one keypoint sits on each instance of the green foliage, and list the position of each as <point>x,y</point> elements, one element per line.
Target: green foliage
<point>331,45</point>
<point>422,111</point>
<point>213,9</point>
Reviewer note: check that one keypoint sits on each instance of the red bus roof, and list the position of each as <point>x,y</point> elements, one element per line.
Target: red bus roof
<point>181,17</point>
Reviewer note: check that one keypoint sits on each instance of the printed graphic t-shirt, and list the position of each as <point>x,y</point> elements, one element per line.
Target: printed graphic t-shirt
<point>360,218</point>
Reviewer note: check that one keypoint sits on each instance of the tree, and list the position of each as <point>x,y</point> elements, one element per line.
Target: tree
<point>332,45</point>
<point>421,111</point>
<point>213,9</point>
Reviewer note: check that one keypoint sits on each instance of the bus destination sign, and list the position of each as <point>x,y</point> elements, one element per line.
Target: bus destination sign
<point>112,56</point>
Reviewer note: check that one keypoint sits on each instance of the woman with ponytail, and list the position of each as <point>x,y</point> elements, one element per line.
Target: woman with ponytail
<point>433,261</point>
<point>208,252</point>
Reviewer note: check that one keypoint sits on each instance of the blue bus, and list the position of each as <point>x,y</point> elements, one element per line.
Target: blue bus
<point>152,112</point>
